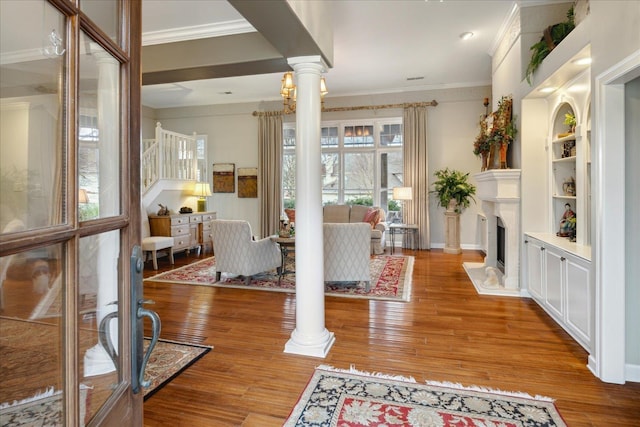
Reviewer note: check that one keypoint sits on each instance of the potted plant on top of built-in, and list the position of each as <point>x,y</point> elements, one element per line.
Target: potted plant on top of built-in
<point>455,193</point>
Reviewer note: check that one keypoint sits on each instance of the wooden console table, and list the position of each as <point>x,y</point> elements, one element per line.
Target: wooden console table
<point>189,231</point>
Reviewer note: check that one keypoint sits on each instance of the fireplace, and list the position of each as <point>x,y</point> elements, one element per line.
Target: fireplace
<point>500,246</point>
<point>499,193</point>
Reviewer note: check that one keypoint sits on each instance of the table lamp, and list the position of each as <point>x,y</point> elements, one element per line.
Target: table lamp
<point>402,194</point>
<point>201,191</point>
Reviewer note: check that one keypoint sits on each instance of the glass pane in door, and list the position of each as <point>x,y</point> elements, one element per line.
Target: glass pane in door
<point>31,116</point>
<point>98,132</point>
<point>104,13</point>
<point>31,325</point>
<point>97,314</point>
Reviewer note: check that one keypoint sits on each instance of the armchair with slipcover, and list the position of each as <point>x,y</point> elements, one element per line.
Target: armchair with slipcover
<point>237,253</point>
<point>347,252</point>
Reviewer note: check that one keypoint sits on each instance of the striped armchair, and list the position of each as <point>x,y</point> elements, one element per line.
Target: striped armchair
<point>346,252</point>
<point>237,253</point>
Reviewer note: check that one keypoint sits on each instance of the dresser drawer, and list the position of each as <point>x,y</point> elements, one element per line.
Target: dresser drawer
<point>206,226</point>
<point>179,230</point>
<point>195,218</point>
<point>181,242</point>
<point>208,217</point>
<point>177,220</point>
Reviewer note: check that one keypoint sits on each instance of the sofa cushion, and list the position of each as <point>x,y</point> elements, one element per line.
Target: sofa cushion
<point>336,213</point>
<point>358,212</point>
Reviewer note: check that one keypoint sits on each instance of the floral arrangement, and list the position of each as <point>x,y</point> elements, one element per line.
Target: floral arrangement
<point>482,144</point>
<point>570,120</point>
<point>497,130</point>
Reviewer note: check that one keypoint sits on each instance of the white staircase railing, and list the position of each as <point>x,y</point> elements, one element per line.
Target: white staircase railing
<point>170,155</point>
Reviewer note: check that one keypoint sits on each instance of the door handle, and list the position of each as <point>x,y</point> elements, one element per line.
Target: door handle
<point>138,313</point>
<point>155,328</point>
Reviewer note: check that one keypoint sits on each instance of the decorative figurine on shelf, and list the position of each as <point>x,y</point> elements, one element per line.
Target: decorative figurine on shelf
<point>569,187</point>
<point>163,210</point>
<point>567,223</point>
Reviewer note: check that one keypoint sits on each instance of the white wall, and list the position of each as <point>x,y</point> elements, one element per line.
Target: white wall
<point>232,138</point>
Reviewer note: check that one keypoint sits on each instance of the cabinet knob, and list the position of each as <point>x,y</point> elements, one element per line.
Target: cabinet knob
<point>562,258</point>
<point>526,241</point>
<point>542,249</point>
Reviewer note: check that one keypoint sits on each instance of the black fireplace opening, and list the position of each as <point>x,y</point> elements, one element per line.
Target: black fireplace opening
<point>500,245</point>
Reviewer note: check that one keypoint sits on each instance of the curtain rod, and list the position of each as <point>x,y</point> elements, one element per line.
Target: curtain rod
<point>361,107</point>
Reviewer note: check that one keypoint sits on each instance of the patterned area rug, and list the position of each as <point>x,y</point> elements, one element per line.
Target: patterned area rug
<point>351,398</point>
<point>390,279</point>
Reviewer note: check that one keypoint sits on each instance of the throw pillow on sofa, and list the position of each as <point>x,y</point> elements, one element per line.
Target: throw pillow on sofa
<point>372,217</point>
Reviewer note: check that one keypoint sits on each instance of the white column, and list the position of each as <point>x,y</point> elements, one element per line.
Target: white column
<point>96,360</point>
<point>310,337</point>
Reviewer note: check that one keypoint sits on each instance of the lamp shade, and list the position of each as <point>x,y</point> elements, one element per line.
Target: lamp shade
<point>202,189</point>
<point>402,193</point>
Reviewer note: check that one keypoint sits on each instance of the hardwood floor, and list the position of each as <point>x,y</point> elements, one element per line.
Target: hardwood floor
<point>447,332</point>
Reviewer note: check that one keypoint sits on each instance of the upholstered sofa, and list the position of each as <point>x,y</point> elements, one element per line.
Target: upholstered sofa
<point>356,213</point>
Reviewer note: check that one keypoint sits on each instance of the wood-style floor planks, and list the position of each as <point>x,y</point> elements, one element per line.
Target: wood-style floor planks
<point>447,332</point>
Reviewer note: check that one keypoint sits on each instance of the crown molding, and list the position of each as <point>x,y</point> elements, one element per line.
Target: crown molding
<point>219,29</point>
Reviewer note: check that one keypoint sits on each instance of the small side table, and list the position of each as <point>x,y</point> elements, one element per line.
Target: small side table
<point>287,246</point>
<point>402,229</point>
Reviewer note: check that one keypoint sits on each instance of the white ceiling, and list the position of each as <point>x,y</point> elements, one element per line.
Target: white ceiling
<point>378,45</point>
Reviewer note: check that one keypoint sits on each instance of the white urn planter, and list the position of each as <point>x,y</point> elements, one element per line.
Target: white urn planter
<point>452,229</point>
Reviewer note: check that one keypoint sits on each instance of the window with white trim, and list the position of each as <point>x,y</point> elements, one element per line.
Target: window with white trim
<point>361,162</point>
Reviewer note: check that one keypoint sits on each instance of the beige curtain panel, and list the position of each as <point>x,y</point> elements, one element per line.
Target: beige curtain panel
<point>416,172</point>
<point>270,171</point>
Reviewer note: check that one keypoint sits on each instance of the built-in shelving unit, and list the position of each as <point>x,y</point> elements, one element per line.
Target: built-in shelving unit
<point>556,174</point>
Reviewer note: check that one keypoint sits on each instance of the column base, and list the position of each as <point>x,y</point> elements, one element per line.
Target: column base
<point>318,348</point>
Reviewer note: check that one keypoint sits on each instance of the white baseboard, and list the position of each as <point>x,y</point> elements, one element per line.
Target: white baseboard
<point>632,373</point>
<point>464,247</point>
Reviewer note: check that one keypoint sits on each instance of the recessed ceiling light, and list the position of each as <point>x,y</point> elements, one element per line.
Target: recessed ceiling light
<point>466,35</point>
<point>582,61</point>
<point>548,89</point>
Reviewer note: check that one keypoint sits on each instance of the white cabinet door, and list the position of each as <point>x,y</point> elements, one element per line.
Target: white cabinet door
<point>554,281</point>
<point>533,250</point>
<point>579,316</point>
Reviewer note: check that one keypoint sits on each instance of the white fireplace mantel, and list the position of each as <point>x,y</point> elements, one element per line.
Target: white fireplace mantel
<point>499,193</point>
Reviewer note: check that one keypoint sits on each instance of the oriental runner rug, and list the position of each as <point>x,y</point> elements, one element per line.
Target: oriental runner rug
<point>390,279</point>
<point>351,399</point>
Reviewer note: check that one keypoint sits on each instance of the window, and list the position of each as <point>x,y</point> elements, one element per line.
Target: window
<point>361,162</point>
<point>201,154</point>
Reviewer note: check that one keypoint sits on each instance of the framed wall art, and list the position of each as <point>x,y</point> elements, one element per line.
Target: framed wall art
<point>224,177</point>
<point>248,182</point>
